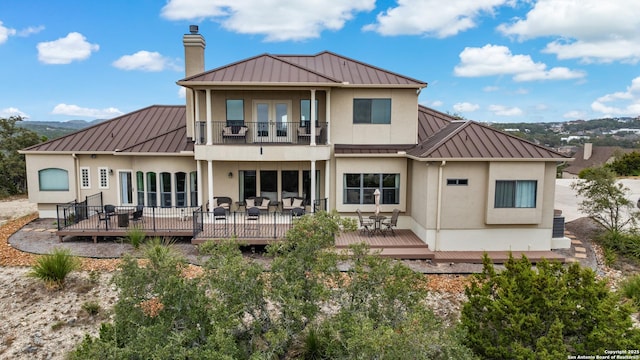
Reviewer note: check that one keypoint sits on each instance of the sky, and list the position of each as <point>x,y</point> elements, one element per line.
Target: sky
<point>485,60</point>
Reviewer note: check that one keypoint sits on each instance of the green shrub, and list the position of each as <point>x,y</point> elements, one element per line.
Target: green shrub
<point>54,267</point>
<point>91,307</point>
<point>630,288</point>
<point>623,243</point>
<point>135,236</point>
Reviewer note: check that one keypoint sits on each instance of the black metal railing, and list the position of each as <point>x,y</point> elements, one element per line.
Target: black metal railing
<point>80,217</point>
<point>239,224</point>
<point>260,132</point>
<point>75,211</point>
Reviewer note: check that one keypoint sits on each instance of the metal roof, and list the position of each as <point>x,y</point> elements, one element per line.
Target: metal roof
<point>154,129</point>
<point>324,68</point>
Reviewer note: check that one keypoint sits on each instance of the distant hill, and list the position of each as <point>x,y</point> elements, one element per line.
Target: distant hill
<point>56,129</point>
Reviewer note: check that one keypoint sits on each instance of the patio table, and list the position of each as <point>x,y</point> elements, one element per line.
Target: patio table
<point>377,222</point>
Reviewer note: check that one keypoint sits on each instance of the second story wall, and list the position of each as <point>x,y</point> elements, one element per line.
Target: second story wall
<point>402,128</point>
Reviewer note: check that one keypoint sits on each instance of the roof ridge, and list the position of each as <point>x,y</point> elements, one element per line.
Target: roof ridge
<point>446,138</point>
<point>517,138</point>
<point>153,138</point>
<point>277,57</point>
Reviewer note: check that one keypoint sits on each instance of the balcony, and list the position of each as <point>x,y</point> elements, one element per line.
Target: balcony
<point>262,133</point>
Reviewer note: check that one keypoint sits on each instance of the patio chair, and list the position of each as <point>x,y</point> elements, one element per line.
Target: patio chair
<point>252,219</point>
<point>366,225</point>
<point>393,222</point>
<point>297,212</point>
<point>137,215</point>
<point>106,214</point>
<point>220,213</point>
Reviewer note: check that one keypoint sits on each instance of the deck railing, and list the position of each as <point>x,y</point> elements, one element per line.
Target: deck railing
<point>268,225</point>
<point>274,133</point>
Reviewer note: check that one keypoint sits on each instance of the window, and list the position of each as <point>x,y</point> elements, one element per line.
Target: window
<point>235,112</point>
<point>85,178</point>
<point>516,193</point>
<point>104,178</point>
<point>290,183</point>
<point>152,189</point>
<point>359,188</point>
<point>140,187</point>
<point>305,112</point>
<point>458,182</point>
<point>165,189</point>
<point>53,179</point>
<point>193,187</point>
<point>181,189</point>
<point>372,111</point>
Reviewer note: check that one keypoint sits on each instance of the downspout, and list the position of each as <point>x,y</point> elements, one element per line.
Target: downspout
<point>439,204</point>
<point>76,168</point>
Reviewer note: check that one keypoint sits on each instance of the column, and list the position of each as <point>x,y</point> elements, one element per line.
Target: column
<point>210,183</point>
<point>313,119</point>
<point>313,180</point>
<point>196,129</point>
<point>209,119</point>
<point>199,182</point>
<point>327,181</point>
<point>328,115</point>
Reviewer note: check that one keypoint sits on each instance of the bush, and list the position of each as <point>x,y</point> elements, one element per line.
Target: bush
<point>135,236</point>
<point>630,288</point>
<point>54,267</point>
<point>91,307</point>
<point>623,243</point>
<point>547,313</point>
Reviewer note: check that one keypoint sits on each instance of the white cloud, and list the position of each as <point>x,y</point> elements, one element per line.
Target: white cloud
<point>11,111</point>
<point>490,88</point>
<point>182,92</point>
<point>145,61</point>
<point>575,115</point>
<point>522,91</point>
<point>65,50</point>
<point>286,20</point>
<point>491,60</point>
<point>502,110</point>
<point>431,17</point>
<point>465,107</point>
<point>30,31</point>
<point>591,30</point>
<point>75,110</point>
<point>621,103</point>
<point>5,32</point>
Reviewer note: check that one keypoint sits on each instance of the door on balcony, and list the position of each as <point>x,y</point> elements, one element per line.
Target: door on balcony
<point>272,120</point>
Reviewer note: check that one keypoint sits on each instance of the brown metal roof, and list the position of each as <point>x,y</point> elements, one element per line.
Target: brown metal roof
<point>371,149</point>
<point>323,68</point>
<point>430,122</point>
<point>472,140</point>
<point>156,129</point>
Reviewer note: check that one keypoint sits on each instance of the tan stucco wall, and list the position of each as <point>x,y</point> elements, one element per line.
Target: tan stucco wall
<point>366,165</point>
<point>39,162</point>
<point>404,117</point>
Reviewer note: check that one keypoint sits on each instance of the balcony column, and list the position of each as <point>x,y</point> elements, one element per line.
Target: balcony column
<point>209,119</point>
<point>313,179</point>
<point>196,129</point>
<point>328,115</point>
<point>199,181</point>
<point>327,181</point>
<point>313,119</point>
<point>210,183</point>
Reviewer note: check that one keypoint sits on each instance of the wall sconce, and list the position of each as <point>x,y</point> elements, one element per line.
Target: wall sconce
<point>93,156</point>
<point>230,174</point>
<point>110,171</point>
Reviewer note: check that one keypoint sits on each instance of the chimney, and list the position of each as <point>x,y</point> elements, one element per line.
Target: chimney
<point>588,149</point>
<point>194,45</point>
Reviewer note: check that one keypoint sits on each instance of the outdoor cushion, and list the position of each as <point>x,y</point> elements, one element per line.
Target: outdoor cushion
<point>286,202</point>
<point>215,203</point>
<point>265,202</point>
<point>297,203</point>
<point>251,203</point>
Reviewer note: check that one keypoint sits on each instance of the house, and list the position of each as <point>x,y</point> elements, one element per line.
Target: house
<point>592,156</point>
<point>323,127</point>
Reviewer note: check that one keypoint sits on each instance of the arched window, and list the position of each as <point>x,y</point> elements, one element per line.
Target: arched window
<point>152,188</point>
<point>165,189</point>
<point>53,179</point>
<point>181,189</point>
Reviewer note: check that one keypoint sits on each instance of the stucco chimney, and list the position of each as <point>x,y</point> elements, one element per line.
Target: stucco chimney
<point>194,45</point>
<point>588,149</point>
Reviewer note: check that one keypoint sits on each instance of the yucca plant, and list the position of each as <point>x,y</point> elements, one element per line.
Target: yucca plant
<point>54,268</point>
<point>136,237</point>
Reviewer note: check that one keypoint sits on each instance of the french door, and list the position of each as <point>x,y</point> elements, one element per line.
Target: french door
<point>126,188</point>
<point>272,120</point>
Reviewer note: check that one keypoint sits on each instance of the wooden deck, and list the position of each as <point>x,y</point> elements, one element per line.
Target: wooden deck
<point>403,245</point>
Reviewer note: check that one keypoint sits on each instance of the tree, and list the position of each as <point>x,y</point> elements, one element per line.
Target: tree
<point>548,312</point>
<point>605,200</point>
<point>626,164</point>
<point>12,164</point>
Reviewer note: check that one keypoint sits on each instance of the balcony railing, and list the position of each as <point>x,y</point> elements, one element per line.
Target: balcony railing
<point>274,133</point>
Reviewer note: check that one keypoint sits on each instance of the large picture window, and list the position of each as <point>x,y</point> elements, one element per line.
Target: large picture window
<point>516,193</point>
<point>53,179</point>
<point>359,188</point>
<point>181,189</point>
<point>372,111</point>
<point>235,112</point>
